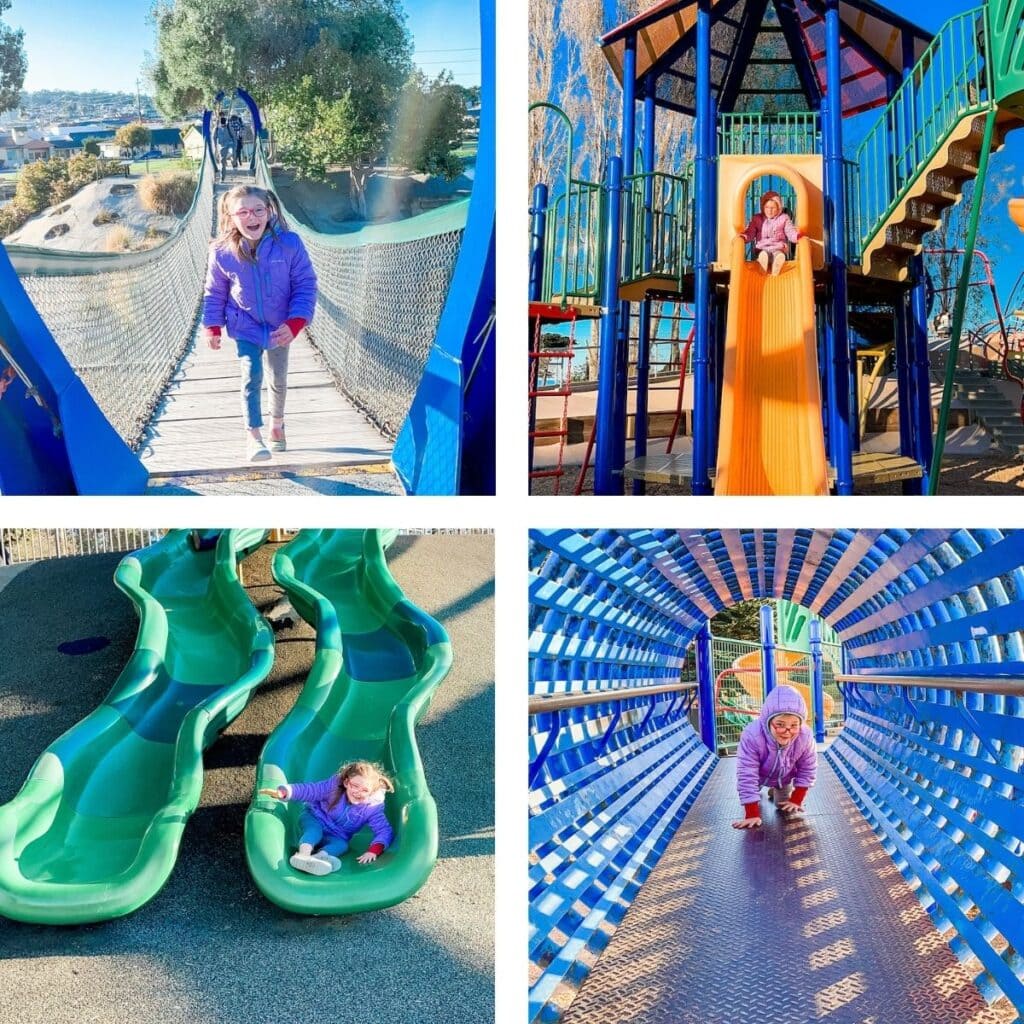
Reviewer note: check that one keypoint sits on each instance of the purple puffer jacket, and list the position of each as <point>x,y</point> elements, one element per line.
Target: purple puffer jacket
<point>770,234</point>
<point>252,299</point>
<point>343,819</point>
<point>760,761</point>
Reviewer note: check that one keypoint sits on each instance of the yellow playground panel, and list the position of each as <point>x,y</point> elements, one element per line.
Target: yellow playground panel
<point>748,675</point>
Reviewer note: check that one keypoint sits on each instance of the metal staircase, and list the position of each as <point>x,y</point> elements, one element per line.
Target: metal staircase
<point>993,410</point>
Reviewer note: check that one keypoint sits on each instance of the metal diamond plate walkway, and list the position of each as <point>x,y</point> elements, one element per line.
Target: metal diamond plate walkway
<point>800,920</point>
<point>197,429</point>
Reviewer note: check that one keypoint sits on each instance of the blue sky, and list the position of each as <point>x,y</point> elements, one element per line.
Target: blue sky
<point>72,45</point>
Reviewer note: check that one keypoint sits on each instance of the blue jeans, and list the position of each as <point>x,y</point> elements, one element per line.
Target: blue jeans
<point>313,833</point>
<point>251,357</point>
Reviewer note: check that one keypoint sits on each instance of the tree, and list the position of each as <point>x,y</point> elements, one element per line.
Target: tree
<point>91,146</point>
<point>132,137</point>
<point>740,622</point>
<point>429,126</point>
<point>13,62</point>
<point>40,184</point>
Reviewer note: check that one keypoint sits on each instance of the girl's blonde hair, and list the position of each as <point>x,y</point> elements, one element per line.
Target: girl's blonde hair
<point>228,235</point>
<point>374,774</point>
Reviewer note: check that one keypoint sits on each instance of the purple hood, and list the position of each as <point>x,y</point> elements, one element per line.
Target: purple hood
<point>761,761</point>
<point>251,299</point>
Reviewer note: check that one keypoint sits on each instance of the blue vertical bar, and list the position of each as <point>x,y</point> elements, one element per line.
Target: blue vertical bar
<point>768,673</point>
<point>817,679</point>
<point>844,662</point>
<point>643,355</point>
<point>901,314</point>
<point>606,447</point>
<point>921,382</point>
<point>703,228</point>
<point>832,128</point>
<point>538,225</point>
<point>706,688</point>
<point>825,309</point>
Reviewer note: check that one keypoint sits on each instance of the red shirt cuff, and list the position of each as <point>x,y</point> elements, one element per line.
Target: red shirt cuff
<point>752,810</point>
<point>215,331</point>
<point>295,324</point>
<point>798,795</point>
<point>377,848</point>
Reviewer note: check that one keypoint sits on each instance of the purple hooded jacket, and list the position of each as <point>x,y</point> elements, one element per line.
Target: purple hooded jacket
<point>343,819</point>
<point>760,761</point>
<point>252,299</point>
<point>771,234</point>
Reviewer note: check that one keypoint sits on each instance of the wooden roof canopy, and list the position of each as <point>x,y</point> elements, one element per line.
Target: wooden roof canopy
<point>766,54</point>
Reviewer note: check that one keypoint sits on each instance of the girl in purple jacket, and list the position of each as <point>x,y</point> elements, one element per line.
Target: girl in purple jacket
<point>771,231</point>
<point>776,750</point>
<point>261,289</point>
<point>336,809</point>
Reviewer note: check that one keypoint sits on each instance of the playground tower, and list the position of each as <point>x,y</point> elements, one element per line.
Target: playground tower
<point>771,85</point>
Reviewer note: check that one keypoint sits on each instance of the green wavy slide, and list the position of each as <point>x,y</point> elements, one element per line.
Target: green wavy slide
<point>94,832</point>
<point>378,661</point>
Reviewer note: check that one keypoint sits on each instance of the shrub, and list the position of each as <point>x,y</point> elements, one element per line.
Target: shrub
<point>120,239</point>
<point>11,218</point>
<point>106,216</point>
<point>82,169</point>
<point>36,183</point>
<point>167,193</point>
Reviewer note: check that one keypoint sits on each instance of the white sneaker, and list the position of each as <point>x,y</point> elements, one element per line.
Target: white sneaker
<point>762,258</point>
<point>332,862</point>
<point>255,449</point>
<point>311,864</point>
<point>777,261</point>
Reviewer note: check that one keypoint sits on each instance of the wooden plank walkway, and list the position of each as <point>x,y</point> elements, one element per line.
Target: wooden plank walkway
<point>197,429</point>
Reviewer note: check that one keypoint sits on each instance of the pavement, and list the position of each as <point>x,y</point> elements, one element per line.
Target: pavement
<point>209,949</point>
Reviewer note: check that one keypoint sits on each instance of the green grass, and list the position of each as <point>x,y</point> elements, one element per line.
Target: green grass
<point>466,151</point>
<point>164,163</point>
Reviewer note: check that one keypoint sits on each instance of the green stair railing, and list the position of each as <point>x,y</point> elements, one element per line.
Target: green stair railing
<point>1006,53</point>
<point>748,134</point>
<point>659,207</point>
<point>950,81</point>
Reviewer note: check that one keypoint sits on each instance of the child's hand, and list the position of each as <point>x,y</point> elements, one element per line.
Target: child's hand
<point>788,807</point>
<point>275,793</point>
<point>747,823</point>
<point>213,340</point>
<point>367,858</point>
<point>281,336</point>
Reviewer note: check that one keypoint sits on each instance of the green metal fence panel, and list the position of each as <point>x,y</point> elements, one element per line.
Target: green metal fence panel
<point>572,243</point>
<point>662,231</point>
<point>748,134</point>
<point>735,704</point>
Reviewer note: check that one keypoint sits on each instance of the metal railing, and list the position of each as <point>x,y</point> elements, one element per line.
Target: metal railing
<point>743,134</point>
<point>18,546</point>
<point>572,244</point>
<point>950,81</point>
<point>659,225</point>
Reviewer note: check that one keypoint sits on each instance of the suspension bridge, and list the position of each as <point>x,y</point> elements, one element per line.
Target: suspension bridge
<point>896,897</point>
<point>107,389</point>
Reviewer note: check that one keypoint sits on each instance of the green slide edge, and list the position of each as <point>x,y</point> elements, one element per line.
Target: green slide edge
<point>403,868</point>
<point>48,902</point>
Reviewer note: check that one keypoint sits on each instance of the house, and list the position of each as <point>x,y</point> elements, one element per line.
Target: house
<point>37,149</point>
<point>167,140</point>
<point>193,142</point>
<point>12,153</point>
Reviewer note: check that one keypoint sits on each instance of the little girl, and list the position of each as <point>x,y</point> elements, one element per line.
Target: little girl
<point>777,750</point>
<point>261,287</point>
<point>336,809</point>
<point>770,230</point>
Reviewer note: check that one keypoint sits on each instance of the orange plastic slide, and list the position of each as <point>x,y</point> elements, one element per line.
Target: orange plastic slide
<point>751,680</point>
<point>771,439</point>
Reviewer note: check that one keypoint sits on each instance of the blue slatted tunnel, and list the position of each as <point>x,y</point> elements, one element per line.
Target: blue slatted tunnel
<point>644,901</point>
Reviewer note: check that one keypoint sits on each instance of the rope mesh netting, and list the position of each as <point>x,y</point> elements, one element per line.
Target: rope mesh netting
<point>124,322</point>
<point>378,310</point>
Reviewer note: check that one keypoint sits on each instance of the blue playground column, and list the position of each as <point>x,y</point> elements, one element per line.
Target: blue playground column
<point>920,377</point>
<point>706,688</point>
<point>817,679</point>
<point>643,356</point>
<point>904,388</point>
<point>538,225</point>
<point>838,337</point>
<point>607,447</point>
<point>768,672</point>
<point>703,230</point>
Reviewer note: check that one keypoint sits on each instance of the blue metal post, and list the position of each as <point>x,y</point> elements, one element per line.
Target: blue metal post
<point>768,672</point>
<point>920,377</point>
<point>607,446</point>
<point>904,392</point>
<point>824,310</point>
<point>538,225</point>
<point>832,128</point>
<point>643,351</point>
<point>706,688</point>
<point>703,229</point>
<point>817,679</point>
<point>844,662</point>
